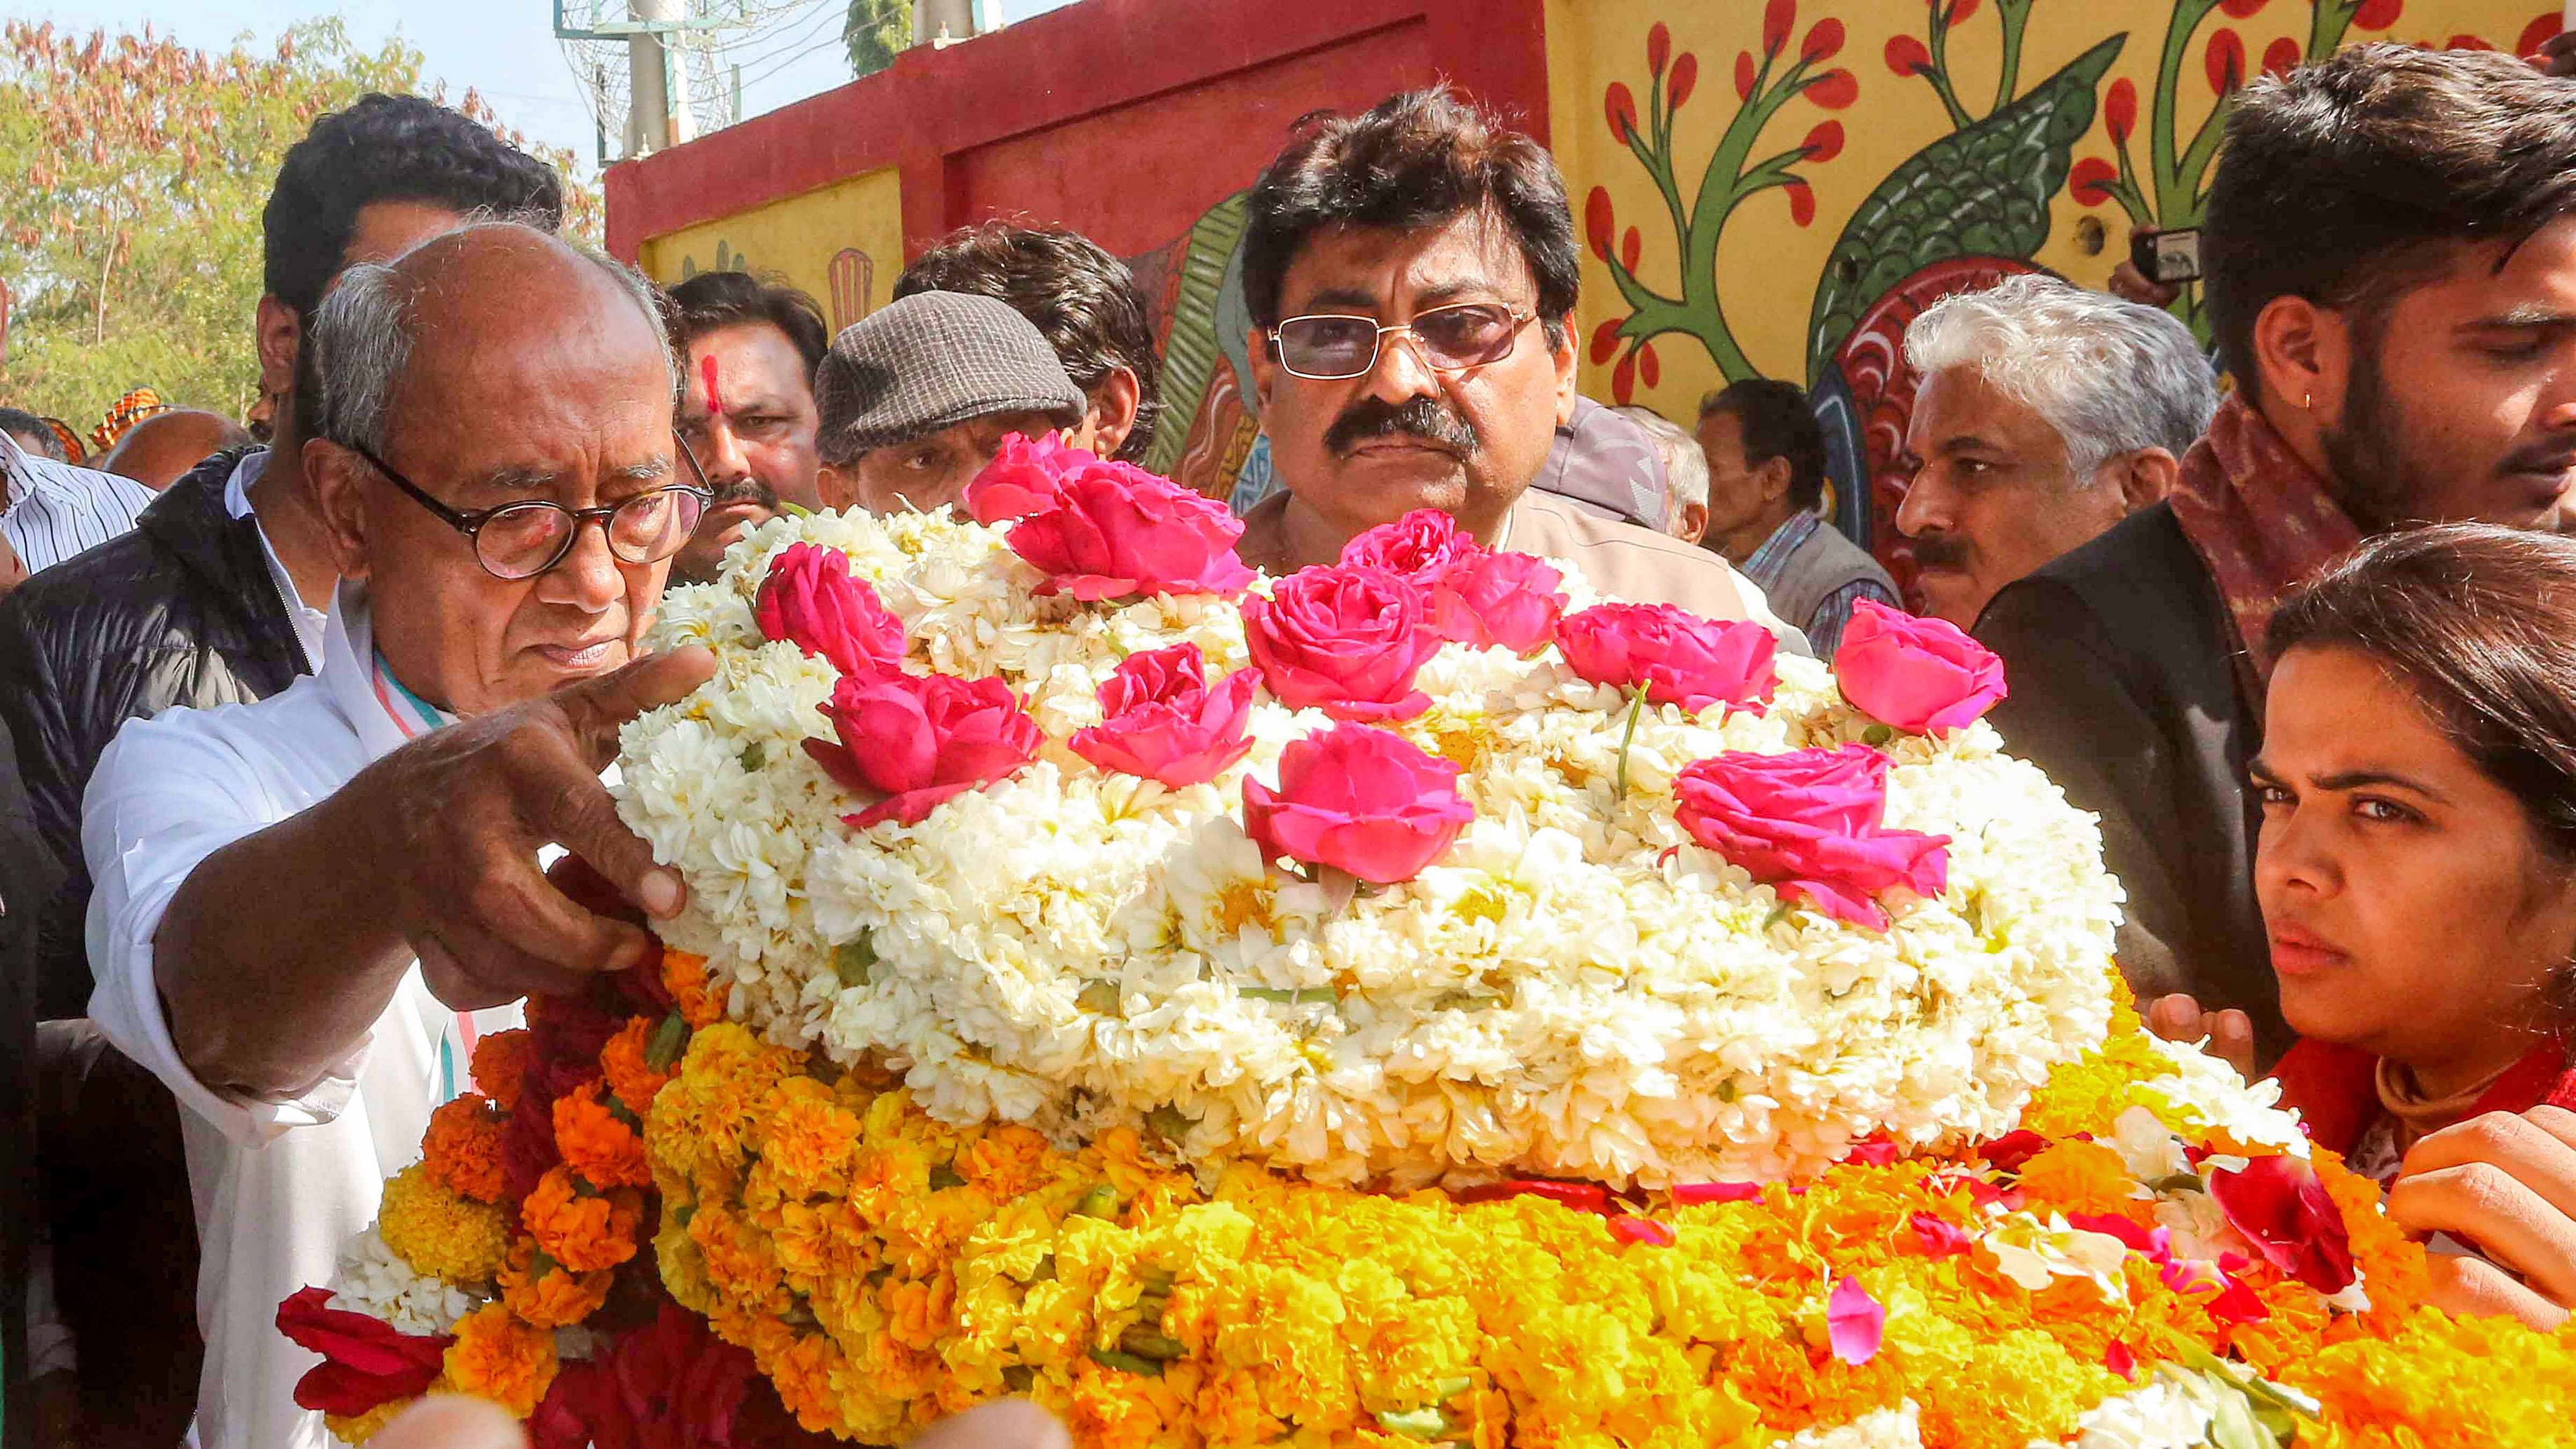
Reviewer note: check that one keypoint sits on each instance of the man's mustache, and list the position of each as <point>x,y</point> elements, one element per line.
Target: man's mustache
<point>1417,417</point>
<point>746,489</point>
<point>1941,551</point>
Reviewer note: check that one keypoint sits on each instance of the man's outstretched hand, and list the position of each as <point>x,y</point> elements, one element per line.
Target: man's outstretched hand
<point>2227,1035</point>
<point>464,811</point>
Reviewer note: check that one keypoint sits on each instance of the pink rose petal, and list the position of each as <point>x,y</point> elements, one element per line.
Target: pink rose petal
<point>1854,1322</point>
<point>1940,1238</point>
<point>1641,1230</point>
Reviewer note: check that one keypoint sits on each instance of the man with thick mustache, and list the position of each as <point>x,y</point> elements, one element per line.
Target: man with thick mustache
<point>1412,277</point>
<point>748,351</point>
<point>2390,245</point>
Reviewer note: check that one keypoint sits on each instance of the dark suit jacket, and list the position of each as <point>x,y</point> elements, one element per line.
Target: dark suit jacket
<point>27,876</point>
<point>2127,689</point>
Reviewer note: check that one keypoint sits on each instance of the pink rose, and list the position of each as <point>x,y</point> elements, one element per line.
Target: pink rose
<point>811,600</point>
<point>1022,478</point>
<point>1359,800</point>
<point>1345,638</point>
<point>1116,530</point>
<point>1422,545</point>
<point>1679,657</point>
<point>2283,1209</point>
<point>1164,723</point>
<point>1506,600</point>
<point>1807,822</point>
<point>919,739</point>
<point>1916,674</point>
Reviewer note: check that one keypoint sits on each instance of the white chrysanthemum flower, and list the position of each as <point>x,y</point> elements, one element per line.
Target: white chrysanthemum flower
<point>1576,988</point>
<point>1897,1428</point>
<point>373,1279</point>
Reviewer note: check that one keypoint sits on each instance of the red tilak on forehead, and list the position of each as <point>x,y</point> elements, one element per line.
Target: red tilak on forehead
<point>707,374</point>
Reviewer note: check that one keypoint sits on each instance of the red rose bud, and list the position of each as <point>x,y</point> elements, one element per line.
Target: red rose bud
<point>1500,600</point>
<point>366,1362</point>
<point>1161,721</point>
<point>1679,657</point>
<point>920,739</point>
<point>1343,638</point>
<point>1423,546</point>
<point>1023,477</point>
<point>1938,1237</point>
<point>811,600</point>
<point>1115,531</point>
<point>2281,1207</point>
<point>1359,800</point>
<point>1916,674</point>
<point>1807,822</point>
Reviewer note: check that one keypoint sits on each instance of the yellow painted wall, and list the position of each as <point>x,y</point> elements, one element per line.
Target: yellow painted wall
<point>842,243</point>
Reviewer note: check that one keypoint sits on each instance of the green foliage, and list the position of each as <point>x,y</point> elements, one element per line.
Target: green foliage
<point>876,32</point>
<point>130,235</point>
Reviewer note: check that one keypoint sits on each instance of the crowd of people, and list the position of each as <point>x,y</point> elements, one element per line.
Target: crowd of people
<point>285,733</point>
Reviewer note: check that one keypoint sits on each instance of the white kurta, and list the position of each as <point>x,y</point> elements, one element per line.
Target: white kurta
<point>279,1186</point>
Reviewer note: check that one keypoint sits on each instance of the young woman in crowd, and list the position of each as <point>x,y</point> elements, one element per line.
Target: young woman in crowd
<point>2417,874</point>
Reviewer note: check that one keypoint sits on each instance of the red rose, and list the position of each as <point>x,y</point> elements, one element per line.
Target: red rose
<point>1345,638</point>
<point>1916,674</point>
<point>1162,721</point>
<point>1116,531</point>
<point>1023,477</point>
<point>366,1362</point>
<point>1359,800</point>
<point>1506,600</point>
<point>1422,546</point>
<point>812,601</point>
<point>919,739</point>
<point>2284,1210</point>
<point>1807,822</point>
<point>670,1384</point>
<point>1679,657</point>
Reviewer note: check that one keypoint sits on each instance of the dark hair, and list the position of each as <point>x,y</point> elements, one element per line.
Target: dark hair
<point>1777,423</point>
<point>2346,179</point>
<point>389,148</point>
<point>1416,160</point>
<point>21,423</point>
<point>1084,300</point>
<point>712,300</point>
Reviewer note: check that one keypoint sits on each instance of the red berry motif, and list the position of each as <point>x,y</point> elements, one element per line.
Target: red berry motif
<point>2282,56</point>
<point>1824,42</point>
<point>1825,142</point>
<point>1622,107</point>
<point>1744,75</point>
<point>2091,180</point>
<point>1802,202</point>
<point>1777,19</point>
<point>1659,47</point>
<point>2120,110</point>
<point>2378,14</point>
<point>1906,56</point>
<point>1598,221</point>
<point>2226,61</point>
<point>1834,89</point>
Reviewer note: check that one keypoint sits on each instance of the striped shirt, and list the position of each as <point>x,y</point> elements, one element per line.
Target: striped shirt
<point>1770,563</point>
<point>51,511</point>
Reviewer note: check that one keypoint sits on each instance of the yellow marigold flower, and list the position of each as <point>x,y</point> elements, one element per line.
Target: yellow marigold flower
<point>810,1137</point>
<point>500,1066</point>
<point>2083,1177</point>
<point>441,1232</point>
<point>701,1001</point>
<point>606,1152</point>
<point>547,1294</point>
<point>631,1074</point>
<point>363,1427</point>
<point>582,1231</point>
<point>497,1357</point>
<point>1006,1161</point>
<point>701,1119</point>
<point>463,1147</point>
<point>738,1260</point>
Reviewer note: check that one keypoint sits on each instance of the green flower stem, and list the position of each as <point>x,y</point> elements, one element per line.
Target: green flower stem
<point>1636,708</point>
<point>2015,14</point>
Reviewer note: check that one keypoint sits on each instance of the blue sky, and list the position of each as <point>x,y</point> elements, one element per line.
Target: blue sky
<point>504,48</point>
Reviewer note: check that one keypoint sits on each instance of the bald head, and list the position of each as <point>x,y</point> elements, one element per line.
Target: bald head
<point>157,450</point>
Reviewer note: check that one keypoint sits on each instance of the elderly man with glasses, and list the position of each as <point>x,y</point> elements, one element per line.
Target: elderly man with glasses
<point>307,908</point>
<point>1412,275</point>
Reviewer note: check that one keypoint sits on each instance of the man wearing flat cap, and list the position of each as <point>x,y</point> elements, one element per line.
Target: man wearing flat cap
<point>916,398</point>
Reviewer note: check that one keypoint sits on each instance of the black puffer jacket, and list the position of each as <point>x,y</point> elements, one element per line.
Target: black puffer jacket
<point>181,611</point>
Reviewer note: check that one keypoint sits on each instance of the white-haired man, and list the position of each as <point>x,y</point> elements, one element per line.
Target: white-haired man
<point>2046,414</point>
<point>1685,472</point>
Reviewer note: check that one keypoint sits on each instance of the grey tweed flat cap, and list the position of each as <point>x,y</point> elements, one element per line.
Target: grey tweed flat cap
<point>931,361</point>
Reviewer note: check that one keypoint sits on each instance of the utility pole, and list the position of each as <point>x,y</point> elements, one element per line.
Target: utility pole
<point>657,112</point>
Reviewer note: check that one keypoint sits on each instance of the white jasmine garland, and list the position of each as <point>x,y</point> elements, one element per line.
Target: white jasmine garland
<point>371,1278</point>
<point>1897,1428</point>
<point>1575,988</point>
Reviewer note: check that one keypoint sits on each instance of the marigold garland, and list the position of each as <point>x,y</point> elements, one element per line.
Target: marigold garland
<point>463,1147</point>
<point>605,1151</point>
<point>440,1232</point>
<point>629,1068</point>
<point>497,1357</point>
<point>701,1001</point>
<point>581,1230</point>
<point>546,1294</point>
<point>500,1066</point>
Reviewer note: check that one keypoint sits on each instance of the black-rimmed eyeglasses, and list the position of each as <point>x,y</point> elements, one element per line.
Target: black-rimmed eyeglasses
<point>1328,346</point>
<point>524,539</point>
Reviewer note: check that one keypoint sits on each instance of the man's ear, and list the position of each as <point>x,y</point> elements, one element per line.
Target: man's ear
<point>279,330</point>
<point>1115,402</point>
<point>1774,477</point>
<point>1561,351</point>
<point>1265,368</point>
<point>838,492</point>
<point>338,478</point>
<point>1694,523</point>
<point>2304,355</point>
<point>2146,477</point>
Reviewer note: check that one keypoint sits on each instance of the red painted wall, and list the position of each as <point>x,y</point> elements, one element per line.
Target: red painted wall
<point>1125,119</point>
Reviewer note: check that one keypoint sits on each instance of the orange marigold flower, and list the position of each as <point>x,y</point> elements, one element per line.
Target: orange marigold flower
<point>497,1357</point>
<point>547,1294</point>
<point>463,1147</point>
<point>501,1065</point>
<point>701,1002</point>
<point>582,1231</point>
<point>2083,1177</point>
<point>631,1074</point>
<point>605,1151</point>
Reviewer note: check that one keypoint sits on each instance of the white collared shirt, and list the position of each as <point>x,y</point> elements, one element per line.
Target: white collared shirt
<point>308,620</point>
<point>50,511</point>
<point>279,1186</point>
